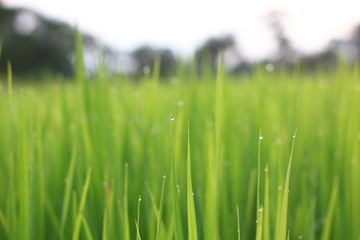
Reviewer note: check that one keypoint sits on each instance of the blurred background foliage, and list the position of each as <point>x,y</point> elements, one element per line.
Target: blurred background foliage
<point>36,44</point>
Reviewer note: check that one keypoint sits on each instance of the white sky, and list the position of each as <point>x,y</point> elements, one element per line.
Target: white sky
<point>184,25</point>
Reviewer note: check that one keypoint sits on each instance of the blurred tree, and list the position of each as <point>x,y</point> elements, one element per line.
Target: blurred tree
<point>242,67</point>
<point>34,43</point>
<point>356,35</point>
<point>145,57</point>
<point>348,50</point>
<point>286,53</point>
<point>324,60</point>
<point>355,40</point>
<point>208,53</point>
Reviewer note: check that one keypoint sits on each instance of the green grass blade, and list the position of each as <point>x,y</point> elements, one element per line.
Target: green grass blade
<point>259,209</point>
<point>282,224</point>
<point>211,191</point>
<point>250,203</point>
<point>175,195</point>
<point>104,233</point>
<point>67,194</point>
<point>126,226</point>
<point>41,184</point>
<point>75,206</point>
<point>259,224</point>
<point>87,229</point>
<point>154,207</point>
<point>4,222</point>
<point>79,217</point>
<point>137,221</point>
<point>330,213</point>
<point>159,224</point>
<point>192,227</point>
<point>109,206</point>
<point>266,224</point>
<point>238,223</point>
<point>11,200</point>
<point>214,165</point>
<point>23,184</point>
<point>258,172</point>
<point>138,237</point>
<point>52,215</point>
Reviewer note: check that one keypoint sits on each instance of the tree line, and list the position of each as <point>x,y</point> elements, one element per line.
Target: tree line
<point>36,44</point>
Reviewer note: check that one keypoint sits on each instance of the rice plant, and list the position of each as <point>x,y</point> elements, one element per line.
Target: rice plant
<point>76,156</point>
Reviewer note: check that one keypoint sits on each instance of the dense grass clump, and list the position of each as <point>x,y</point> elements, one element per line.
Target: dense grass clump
<point>196,159</point>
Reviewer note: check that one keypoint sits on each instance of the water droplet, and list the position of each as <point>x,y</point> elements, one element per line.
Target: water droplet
<point>172,118</point>
<point>139,199</point>
<point>300,237</point>
<point>193,194</point>
<point>238,230</point>
<point>256,221</point>
<point>261,209</point>
<point>177,185</point>
<point>294,136</point>
<point>266,169</point>
<point>261,137</point>
<point>164,176</point>
<point>269,67</point>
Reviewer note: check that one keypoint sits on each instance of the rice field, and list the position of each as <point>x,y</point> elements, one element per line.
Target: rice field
<point>274,155</point>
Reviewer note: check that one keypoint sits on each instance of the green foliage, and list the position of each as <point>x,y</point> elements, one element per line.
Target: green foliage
<point>51,135</point>
<point>79,216</point>
<point>192,226</point>
<point>175,189</point>
<point>46,47</point>
<point>328,220</point>
<point>281,229</point>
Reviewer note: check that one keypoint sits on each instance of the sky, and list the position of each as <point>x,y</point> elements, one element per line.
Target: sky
<point>184,25</point>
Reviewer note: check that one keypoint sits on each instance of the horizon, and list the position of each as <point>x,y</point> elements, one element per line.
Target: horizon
<point>161,24</point>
